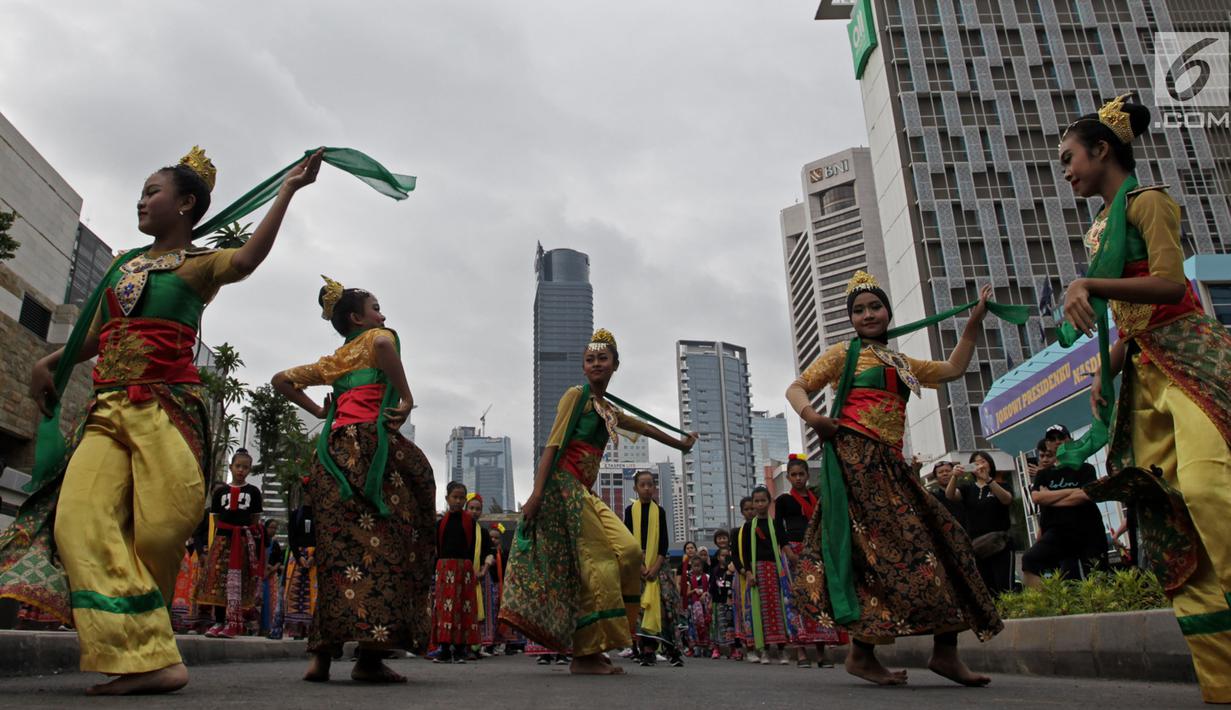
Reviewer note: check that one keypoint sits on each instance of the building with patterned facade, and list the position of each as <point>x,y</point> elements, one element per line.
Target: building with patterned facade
<point>716,402</point>
<point>563,324</point>
<point>826,238</point>
<point>964,102</point>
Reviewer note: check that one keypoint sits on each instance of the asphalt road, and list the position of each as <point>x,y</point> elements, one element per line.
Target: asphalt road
<point>516,682</point>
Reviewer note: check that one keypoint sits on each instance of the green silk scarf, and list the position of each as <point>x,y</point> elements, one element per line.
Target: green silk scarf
<point>835,514</point>
<point>1108,263</point>
<point>374,481</point>
<point>51,447</point>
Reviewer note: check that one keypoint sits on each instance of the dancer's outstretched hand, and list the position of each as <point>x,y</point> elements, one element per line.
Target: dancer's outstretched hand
<point>304,174</point>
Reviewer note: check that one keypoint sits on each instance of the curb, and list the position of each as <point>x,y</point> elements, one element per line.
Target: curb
<point>1138,645</point>
<point>28,653</point>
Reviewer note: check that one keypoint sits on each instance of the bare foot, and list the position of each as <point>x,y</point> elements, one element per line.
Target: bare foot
<point>163,680</point>
<point>868,667</point>
<point>593,664</point>
<point>951,667</point>
<point>375,671</point>
<point>318,668</point>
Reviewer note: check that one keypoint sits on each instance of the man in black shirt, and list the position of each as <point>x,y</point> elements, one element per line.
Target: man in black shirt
<point>1071,525</point>
<point>942,471</point>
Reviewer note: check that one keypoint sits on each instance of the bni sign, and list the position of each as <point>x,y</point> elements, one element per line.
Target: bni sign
<point>1192,79</point>
<point>862,31</point>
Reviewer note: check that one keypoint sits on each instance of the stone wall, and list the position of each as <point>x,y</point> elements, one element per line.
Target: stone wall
<point>19,416</point>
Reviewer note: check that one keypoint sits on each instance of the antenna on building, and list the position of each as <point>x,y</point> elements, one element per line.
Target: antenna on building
<point>483,420</point>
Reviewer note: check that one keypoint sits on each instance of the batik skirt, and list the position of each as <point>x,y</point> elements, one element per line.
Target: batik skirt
<point>914,570</point>
<point>184,611</point>
<point>490,629</point>
<point>699,622</point>
<point>722,623</point>
<point>455,618</point>
<point>373,573</point>
<point>299,604</point>
<point>770,591</point>
<point>805,629</point>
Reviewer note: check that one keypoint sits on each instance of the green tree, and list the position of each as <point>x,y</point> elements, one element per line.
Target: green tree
<point>223,391</point>
<point>8,245</point>
<point>286,448</point>
<point>231,236</point>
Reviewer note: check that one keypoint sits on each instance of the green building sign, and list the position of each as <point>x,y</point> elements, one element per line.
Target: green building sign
<point>862,31</point>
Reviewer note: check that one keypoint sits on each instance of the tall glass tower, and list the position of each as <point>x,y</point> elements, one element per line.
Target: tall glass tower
<point>563,323</point>
<point>715,402</point>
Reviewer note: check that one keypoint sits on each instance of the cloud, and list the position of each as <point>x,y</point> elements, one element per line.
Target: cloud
<point>660,138</point>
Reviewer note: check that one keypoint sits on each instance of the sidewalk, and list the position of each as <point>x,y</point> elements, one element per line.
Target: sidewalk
<point>25,653</point>
<point>1142,646</point>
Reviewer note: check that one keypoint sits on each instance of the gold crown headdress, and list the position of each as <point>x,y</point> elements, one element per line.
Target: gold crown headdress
<point>201,165</point>
<point>602,339</point>
<point>1113,115</point>
<point>333,292</point>
<point>861,281</point>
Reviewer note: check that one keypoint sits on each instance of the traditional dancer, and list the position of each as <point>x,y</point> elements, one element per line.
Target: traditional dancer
<point>301,582</point>
<point>185,612</point>
<point>134,487</point>
<point>494,634</point>
<point>661,607</point>
<point>235,566</point>
<point>482,562</point>
<point>697,608</point>
<point>574,577</point>
<point>271,590</point>
<point>722,622</point>
<point>739,589</point>
<point>1175,406</point>
<point>795,508</point>
<point>460,545</point>
<point>763,546</point>
<point>372,491</point>
<point>882,556</point>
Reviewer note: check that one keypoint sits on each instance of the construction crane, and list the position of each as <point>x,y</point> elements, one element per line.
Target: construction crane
<point>483,420</point>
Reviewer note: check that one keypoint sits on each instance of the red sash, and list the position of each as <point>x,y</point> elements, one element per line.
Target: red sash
<point>134,352</point>
<point>359,405</point>
<point>806,503</point>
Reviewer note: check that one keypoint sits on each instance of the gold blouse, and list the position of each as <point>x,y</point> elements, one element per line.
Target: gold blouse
<point>827,369</point>
<point>358,354</point>
<point>564,411</point>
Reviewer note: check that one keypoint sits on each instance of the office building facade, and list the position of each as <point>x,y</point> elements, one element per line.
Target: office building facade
<point>563,324</point>
<point>828,236</point>
<point>964,102</point>
<point>715,401</point>
<point>484,464</point>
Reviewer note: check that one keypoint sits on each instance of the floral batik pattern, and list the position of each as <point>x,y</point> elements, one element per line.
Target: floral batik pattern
<point>455,613</point>
<point>805,629</point>
<point>542,585</point>
<point>374,573</point>
<point>914,569</point>
<point>30,568</point>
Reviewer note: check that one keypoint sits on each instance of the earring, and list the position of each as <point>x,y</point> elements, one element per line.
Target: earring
<point>182,213</point>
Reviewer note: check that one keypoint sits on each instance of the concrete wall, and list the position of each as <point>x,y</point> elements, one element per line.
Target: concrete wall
<point>50,211</point>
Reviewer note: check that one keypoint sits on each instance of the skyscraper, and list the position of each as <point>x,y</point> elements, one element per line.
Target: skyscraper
<point>826,238</point>
<point>716,402</point>
<point>678,521</point>
<point>483,464</point>
<point>770,445</point>
<point>964,103</point>
<point>563,323</point>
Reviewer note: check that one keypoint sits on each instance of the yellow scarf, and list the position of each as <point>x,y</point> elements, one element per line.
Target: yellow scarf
<point>478,580</point>
<point>651,590</point>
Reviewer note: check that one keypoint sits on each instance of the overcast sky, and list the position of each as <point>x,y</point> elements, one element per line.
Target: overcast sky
<point>661,138</point>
